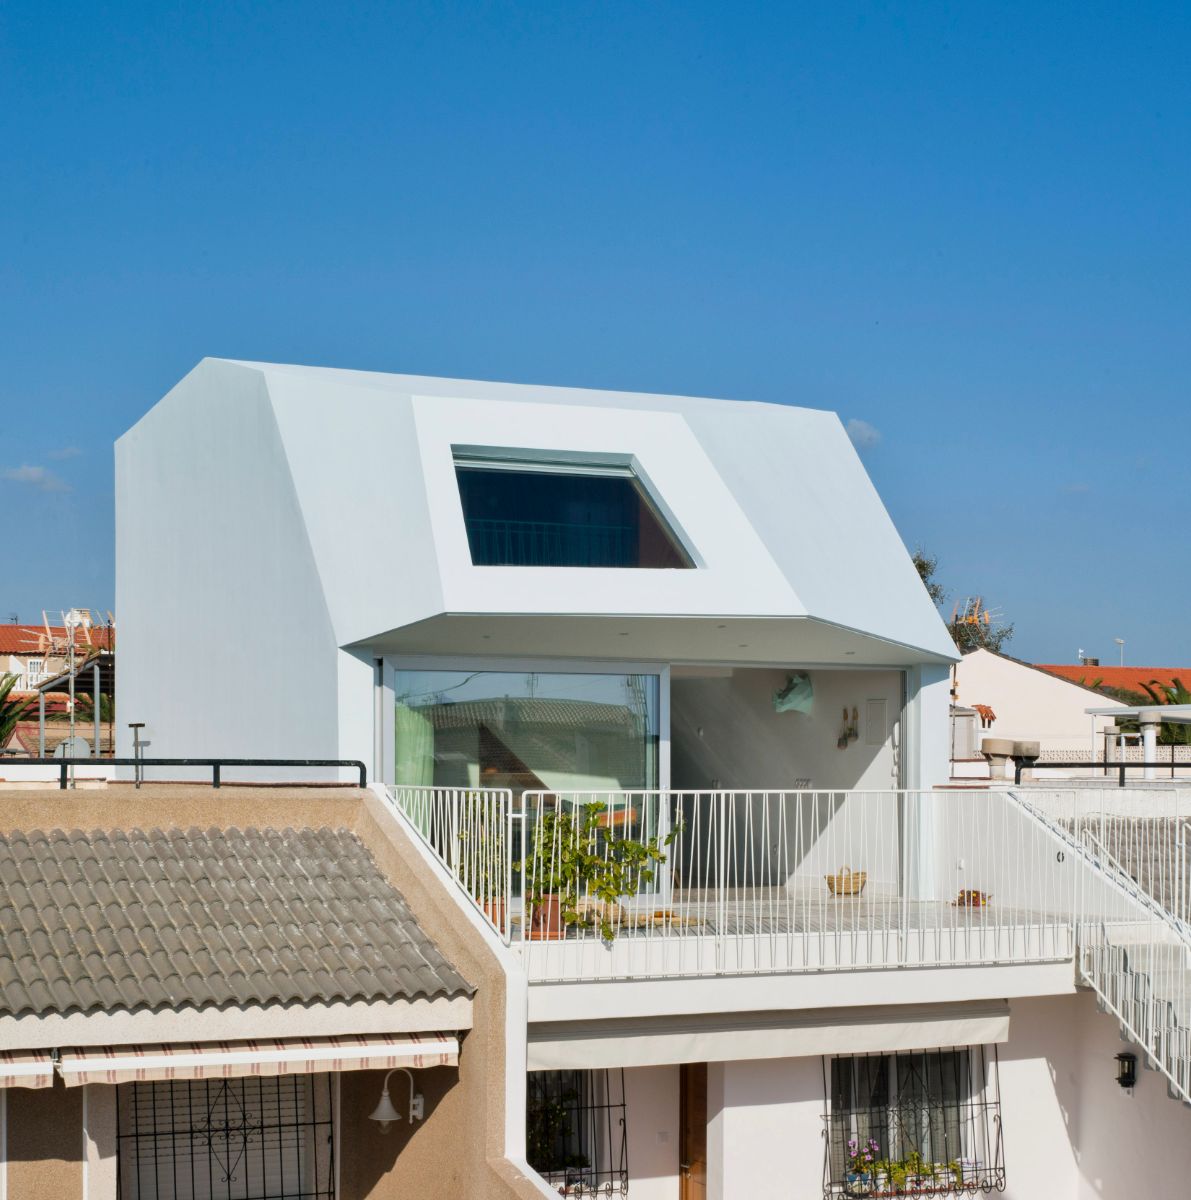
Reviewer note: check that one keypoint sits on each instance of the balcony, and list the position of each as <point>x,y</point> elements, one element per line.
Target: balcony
<point>623,885</point>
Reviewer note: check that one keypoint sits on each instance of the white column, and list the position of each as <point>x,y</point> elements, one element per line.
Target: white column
<point>1149,742</point>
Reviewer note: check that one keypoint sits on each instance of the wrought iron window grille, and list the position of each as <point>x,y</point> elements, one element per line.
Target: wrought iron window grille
<point>256,1138</point>
<point>576,1136</point>
<point>924,1123</point>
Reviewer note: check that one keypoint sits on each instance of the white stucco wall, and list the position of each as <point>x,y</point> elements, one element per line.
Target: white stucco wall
<point>226,644</point>
<point>651,1100</point>
<point>1030,704</point>
<point>764,1129</point>
<point>1070,1133</point>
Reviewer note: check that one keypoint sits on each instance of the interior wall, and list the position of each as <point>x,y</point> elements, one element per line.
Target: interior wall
<point>725,733</point>
<point>651,1105</point>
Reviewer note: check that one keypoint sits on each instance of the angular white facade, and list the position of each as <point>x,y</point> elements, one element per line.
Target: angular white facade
<point>281,529</point>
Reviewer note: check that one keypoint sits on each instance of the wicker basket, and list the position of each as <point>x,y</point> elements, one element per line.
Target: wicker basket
<point>846,882</point>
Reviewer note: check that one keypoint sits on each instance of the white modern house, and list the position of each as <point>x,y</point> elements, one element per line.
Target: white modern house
<point>654,688</point>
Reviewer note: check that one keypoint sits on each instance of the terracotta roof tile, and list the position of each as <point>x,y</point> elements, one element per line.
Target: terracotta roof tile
<point>1128,678</point>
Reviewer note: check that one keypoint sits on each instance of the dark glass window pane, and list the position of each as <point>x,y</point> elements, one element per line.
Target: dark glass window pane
<point>558,519</point>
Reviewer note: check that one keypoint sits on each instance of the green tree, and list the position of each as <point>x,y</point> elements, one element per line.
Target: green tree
<point>12,709</point>
<point>1170,734</point>
<point>972,626</point>
<point>926,567</point>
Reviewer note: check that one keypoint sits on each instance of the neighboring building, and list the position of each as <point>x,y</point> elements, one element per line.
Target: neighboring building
<point>215,1013</point>
<point>1029,704</point>
<point>36,653</point>
<point>657,709</point>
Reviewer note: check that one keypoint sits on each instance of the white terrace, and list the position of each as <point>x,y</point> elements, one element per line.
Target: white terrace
<point>646,884</point>
<point>631,886</point>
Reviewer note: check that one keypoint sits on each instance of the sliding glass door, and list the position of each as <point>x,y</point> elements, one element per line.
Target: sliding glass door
<point>527,730</point>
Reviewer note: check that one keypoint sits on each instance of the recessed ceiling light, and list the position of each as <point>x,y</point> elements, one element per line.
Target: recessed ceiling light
<point>721,627</point>
<point>744,645</point>
<point>849,651</point>
<point>624,633</point>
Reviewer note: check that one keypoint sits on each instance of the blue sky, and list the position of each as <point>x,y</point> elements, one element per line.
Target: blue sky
<point>966,227</point>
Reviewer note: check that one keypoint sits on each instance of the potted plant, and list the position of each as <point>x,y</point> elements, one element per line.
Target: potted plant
<point>861,1176</point>
<point>577,858</point>
<point>548,1141</point>
<point>919,1174</point>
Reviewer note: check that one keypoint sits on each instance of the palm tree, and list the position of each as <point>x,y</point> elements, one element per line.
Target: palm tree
<point>1170,693</point>
<point>11,709</point>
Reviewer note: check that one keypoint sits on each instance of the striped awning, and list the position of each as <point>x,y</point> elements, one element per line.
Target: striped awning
<point>26,1068</point>
<point>284,1056</point>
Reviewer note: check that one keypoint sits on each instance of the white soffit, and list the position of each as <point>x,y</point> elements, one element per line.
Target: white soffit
<point>775,641</point>
<point>724,1038</point>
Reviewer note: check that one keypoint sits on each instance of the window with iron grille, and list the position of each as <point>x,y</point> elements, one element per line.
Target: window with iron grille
<point>922,1123</point>
<point>575,1135</point>
<point>259,1138</point>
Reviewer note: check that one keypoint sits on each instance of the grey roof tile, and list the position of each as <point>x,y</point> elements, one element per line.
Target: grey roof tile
<point>146,920</point>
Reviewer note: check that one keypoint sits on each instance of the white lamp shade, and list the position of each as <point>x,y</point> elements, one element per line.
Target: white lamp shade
<point>384,1112</point>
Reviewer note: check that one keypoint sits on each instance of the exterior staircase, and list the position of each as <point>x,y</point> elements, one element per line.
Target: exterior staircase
<point>1132,935</point>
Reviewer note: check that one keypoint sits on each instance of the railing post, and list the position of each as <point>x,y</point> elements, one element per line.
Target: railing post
<point>215,775</point>
<point>62,776</point>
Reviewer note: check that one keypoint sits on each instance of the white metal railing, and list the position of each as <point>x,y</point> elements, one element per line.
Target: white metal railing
<point>779,881</point>
<point>471,832</point>
<point>1134,942</point>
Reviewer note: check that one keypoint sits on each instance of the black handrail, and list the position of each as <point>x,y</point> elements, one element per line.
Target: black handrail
<point>1032,764</point>
<point>214,763</point>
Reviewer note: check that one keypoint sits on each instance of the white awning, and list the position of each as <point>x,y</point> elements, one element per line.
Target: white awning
<point>227,1060</point>
<point>26,1068</point>
<point>724,1037</point>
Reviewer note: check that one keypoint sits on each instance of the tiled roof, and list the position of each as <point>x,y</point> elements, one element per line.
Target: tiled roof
<point>133,920</point>
<point>1128,678</point>
<point>30,639</point>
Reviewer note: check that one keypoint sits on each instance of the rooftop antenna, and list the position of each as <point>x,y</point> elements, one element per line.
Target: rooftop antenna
<point>74,620</point>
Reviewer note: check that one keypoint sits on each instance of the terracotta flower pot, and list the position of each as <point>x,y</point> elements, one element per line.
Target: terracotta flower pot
<point>545,922</point>
<point>494,910</point>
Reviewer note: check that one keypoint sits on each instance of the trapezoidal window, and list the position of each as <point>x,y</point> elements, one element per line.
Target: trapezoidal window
<point>564,514</point>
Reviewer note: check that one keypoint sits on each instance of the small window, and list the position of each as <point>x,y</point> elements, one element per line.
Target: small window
<point>922,1123</point>
<point>575,1123</point>
<point>258,1138</point>
<point>35,671</point>
<point>562,514</point>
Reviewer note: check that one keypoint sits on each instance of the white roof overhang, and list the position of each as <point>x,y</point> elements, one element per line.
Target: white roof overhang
<point>767,641</point>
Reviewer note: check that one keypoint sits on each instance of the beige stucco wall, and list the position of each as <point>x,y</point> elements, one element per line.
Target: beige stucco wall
<point>457,1151</point>
<point>44,1143</point>
<point>1031,705</point>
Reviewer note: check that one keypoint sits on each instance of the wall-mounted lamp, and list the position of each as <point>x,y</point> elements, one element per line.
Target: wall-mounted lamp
<point>386,1114</point>
<point>1127,1070</point>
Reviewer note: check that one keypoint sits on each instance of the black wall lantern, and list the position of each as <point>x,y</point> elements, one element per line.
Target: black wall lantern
<point>1127,1070</point>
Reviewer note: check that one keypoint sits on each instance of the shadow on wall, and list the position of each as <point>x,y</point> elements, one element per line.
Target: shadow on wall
<point>407,1160</point>
<point>44,1142</point>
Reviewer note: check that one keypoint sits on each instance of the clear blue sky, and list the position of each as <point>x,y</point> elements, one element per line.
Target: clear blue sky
<point>968,227</point>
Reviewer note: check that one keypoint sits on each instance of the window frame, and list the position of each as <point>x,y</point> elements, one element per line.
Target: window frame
<point>581,464</point>
<point>974,1115</point>
<point>318,1119</point>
